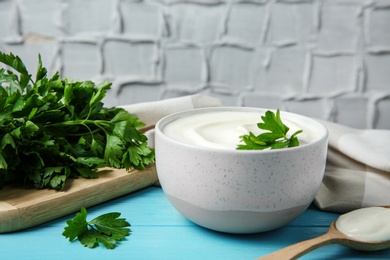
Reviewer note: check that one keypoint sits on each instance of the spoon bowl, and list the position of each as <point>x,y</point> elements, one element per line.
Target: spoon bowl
<point>357,244</point>
<point>333,236</point>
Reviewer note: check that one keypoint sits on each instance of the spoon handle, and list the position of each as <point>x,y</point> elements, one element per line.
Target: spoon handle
<point>301,248</point>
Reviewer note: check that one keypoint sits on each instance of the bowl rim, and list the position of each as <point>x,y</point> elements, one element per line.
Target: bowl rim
<point>171,117</point>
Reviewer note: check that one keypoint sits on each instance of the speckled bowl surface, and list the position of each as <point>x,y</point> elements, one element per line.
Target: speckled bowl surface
<point>240,191</point>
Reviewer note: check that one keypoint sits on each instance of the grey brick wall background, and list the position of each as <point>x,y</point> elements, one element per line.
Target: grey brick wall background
<point>328,59</point>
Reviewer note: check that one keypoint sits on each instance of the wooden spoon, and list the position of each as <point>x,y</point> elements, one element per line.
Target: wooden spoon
<point>333,236</point>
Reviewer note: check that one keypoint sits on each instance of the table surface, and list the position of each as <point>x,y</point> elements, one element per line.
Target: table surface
<point>158,231</point>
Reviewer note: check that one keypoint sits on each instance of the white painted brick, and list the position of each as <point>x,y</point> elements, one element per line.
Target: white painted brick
<point>90,16</point>
<point>111,98</point>
<point>133,60</point>
<point>43,18</point>
<point>81,61</point>
<point>29,52</point>
<point>8,26</point>
<point>136,92</point>
<point>383,107</point>
<point>311,107</point>
<point>141,20</point>
<point>339,29</point>
<point>245,23</point>
<point>258,69</point>
<point>184,67</point>
<point>173,93</point>
<point>227,98</point>
<point>202,2</point>
<point>333,74</point>
<point>291,23</point>
<point>378,72</point>
<point>286,71</point>
<point>351,110</point>
<point>379,27</point>
<point>262,100</point>
<point>230,66</point>
<point>197,23</point>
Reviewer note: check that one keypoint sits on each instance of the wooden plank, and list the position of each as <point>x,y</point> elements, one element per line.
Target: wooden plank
<point>23,208</point>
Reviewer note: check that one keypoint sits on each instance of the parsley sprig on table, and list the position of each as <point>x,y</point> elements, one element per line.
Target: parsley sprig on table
<point>107,229</point>
<point>52,129</point>
<point>275,138</point>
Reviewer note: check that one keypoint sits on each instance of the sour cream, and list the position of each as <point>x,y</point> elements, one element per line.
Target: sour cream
<point>366,224</point>
<point>222,129</point>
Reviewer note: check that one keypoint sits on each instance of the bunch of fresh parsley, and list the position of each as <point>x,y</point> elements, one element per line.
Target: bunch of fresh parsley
<point>275,138</point>
<point>107,229</point>
<point>52,129</point>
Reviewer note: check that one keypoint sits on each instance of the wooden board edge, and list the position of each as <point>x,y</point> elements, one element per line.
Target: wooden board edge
<point>83,194</point>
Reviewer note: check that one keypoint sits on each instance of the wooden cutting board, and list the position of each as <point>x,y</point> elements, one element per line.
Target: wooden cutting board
<point>23,208</point>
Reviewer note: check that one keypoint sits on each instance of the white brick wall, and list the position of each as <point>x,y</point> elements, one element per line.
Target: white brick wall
<point>323,58</point>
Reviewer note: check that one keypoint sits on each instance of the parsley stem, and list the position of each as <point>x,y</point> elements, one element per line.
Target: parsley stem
<point>101,124</point>
<point>81,122</point>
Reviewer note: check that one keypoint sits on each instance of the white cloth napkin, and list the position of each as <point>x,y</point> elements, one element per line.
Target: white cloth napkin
<point>358,167</point>
<point>151,112</point>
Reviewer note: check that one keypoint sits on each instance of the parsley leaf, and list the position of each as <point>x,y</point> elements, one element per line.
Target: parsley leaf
<point>107,229</point>
<point>52,129</point>
<point>276,138</point>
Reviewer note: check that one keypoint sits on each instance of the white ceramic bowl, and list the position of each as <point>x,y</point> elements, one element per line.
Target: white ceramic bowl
<point>241,191</point>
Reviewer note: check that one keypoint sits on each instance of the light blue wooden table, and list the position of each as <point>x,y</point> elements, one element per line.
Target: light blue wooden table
<point>160,232</point>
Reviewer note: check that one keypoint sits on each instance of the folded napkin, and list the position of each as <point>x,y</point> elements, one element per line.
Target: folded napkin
<point>151,112</point>
<point>357,171</point>
<point>358,166</point>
